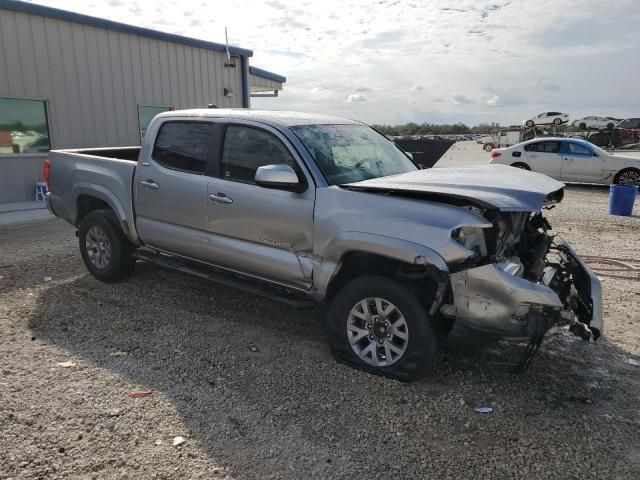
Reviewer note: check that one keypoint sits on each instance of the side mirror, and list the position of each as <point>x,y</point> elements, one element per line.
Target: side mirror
<point>281,177</point>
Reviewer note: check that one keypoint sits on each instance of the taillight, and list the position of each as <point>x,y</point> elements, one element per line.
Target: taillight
<point>46,169</point>
<point>495,154</point>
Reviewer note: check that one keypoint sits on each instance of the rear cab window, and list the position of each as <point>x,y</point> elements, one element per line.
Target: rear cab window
<point>183,146</point>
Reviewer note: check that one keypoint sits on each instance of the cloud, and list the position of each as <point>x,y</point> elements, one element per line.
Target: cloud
<point>504,100</point>
<point>135,8</point>
<point>461,100</point>
<point>356,97</point>
<point>510,60</point>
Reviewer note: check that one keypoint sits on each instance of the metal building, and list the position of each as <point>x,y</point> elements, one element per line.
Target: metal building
<point>70,80</point>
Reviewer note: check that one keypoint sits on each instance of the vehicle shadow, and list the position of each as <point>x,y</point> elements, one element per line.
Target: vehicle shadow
<point>257,389</point>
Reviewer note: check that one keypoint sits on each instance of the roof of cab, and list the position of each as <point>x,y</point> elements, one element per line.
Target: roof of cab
<point>275,117</point>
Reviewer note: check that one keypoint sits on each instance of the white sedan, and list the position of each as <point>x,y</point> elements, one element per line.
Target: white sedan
<point>547,118</point>
<point>594,122</point>
<point>570,160</point>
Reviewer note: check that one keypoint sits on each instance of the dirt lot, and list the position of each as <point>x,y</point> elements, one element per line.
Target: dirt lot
<point>252,388</point>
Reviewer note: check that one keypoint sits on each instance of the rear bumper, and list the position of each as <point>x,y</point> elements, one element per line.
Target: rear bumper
<point>48,202</point>
<point>492,300</point>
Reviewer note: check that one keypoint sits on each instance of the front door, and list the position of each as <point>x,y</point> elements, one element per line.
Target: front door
<point>256,230</point>
<point>170,189</point>
<point>580,164</point>
<point>544,157</point>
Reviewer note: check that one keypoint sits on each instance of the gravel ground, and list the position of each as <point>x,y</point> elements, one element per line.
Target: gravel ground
<point>251,387</point>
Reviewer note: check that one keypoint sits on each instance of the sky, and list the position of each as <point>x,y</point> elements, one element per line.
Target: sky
<point>436,61</point>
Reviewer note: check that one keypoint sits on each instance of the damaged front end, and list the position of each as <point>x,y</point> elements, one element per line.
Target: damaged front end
<point>522,280</point>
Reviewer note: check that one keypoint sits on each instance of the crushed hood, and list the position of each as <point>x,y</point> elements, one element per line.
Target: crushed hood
<point>491,186</point>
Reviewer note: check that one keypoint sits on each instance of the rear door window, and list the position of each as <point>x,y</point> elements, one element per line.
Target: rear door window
<point>183,146</point>
<point>543,147</point>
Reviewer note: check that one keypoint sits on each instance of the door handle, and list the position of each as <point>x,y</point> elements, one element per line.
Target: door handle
<point>220,198</point>
<point>150,184</point>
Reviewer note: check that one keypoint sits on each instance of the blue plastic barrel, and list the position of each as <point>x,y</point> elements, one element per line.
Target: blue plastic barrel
<point>621,198</point>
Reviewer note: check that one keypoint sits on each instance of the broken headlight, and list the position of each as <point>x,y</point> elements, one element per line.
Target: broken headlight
<point>471,238</point>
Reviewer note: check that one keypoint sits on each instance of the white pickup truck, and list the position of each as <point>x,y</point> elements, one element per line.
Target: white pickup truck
<point>311,209</point>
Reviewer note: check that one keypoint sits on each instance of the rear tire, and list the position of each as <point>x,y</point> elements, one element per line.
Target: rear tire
<point>628,176</point>
<point>521,165</point>
<point>609,126</point>
<point>487,147</point>
<point>529,123</point>
<point>582,126</point>
<point>106,252</point>
<point>408,333</point>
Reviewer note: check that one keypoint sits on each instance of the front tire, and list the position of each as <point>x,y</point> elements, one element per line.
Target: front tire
<point>557,121</point>
<point>378,325</point>
<point>106,253</point>
<point>529,123</point>
<point>582,126</point>
<point>628,176</point>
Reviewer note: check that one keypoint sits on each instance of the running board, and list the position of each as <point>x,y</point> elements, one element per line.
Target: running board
<point>176,264</point>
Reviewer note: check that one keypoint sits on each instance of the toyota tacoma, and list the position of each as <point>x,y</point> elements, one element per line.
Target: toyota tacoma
<point>312,209</point>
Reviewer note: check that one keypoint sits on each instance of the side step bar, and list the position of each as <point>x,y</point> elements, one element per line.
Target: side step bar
<point>176,264</point>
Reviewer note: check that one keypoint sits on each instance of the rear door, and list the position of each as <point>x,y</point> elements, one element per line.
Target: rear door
<point>580,164</point>
<point>255,230</point>
<point>544,157</point>
<point>170,189</point>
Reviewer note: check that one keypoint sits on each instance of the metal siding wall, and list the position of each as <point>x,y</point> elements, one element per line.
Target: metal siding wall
<point>94,79</point>
<point>255,81</point>
<point>25,171</point>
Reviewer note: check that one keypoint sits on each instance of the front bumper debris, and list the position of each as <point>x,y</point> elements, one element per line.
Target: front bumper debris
<point>493,298</point>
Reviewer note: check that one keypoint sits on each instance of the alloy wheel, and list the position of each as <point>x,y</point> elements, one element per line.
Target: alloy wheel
<point>630,177</point>
<point>377,331</point>
<point>98,247</point>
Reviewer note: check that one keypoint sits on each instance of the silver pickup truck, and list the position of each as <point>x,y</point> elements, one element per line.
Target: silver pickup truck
<point>312,209</point>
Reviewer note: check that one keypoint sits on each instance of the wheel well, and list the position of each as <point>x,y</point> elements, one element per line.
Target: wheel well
<point>628,169</point>
<point>423,280</point>
<point>86,204</point>
<point>521,165</point>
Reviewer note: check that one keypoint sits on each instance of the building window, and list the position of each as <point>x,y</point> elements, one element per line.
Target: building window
<point>23,126</point>
<point>146,114</point>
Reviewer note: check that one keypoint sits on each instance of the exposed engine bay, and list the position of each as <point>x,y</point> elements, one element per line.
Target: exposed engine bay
<point>522,280</point>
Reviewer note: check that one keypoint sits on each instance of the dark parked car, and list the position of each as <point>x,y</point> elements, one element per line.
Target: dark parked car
<point>616,138</point>
<point>630,123</point>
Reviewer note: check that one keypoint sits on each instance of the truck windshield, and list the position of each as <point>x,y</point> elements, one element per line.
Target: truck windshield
<point>351,153</point>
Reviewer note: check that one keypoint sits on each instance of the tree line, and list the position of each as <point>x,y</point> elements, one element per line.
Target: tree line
<point>436,129</point>
<point>446,128</point>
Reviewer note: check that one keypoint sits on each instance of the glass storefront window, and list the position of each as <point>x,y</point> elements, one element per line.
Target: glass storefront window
<point>23,126</point>
<point>146,114</point>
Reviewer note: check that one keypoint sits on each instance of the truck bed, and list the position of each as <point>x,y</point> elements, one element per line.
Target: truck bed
<point>114,153</point>
<point>80,176</point>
